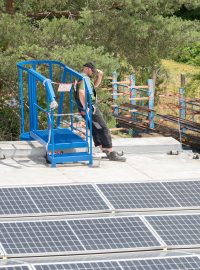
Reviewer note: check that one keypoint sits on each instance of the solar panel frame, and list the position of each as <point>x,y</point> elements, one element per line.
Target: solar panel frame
<point>2,250</point>
<point>99,231</point>
<point>11,262</point>
<point>93,197</point>
<point>34,245</point>
<point>173,230</point>
<point>163,194</point>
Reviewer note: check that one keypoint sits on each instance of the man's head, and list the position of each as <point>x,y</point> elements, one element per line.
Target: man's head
<point>89,68</point>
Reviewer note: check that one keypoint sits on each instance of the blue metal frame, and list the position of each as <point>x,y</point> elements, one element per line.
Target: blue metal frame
<point>182,105</point>
<point>115,90</point>
<point>133,94</point>
<point>54,137</point>
<point>151,103</point>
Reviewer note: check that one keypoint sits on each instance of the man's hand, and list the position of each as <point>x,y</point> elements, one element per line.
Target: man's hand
<point>99,72</point>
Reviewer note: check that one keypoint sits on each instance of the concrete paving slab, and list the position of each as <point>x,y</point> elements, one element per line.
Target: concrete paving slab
<point>127,145</point>
<point>21,149</point>
<point>23,171</point>
<point>146,145</point>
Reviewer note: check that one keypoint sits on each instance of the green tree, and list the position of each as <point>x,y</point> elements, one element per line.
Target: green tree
<point>120,34</point>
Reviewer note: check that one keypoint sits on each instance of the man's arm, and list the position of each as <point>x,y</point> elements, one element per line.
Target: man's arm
<point>82,97</point>
<point>99,77</point>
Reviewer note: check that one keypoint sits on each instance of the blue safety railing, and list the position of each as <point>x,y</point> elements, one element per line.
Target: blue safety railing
<point>54,137</point>
<point>137,96</point>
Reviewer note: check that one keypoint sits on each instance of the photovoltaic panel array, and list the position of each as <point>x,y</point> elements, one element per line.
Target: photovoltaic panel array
<point>187,193</point>
<point>126,196</point>
<point>177,230</point>
<point>113,233</point>
<point>50,200</point>
<point>76,236</point>
<point>76,199</point>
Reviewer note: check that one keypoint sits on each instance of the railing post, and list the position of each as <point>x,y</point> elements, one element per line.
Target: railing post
<point>182,104</point>
<point>151,103</point>
<point>133,92</point>
<point>71,105</point>
<point>21,95</point>
<point>115,88</point>
<point>34,95</point>
<point>31,102</point>
<point>88,116</point>
<point>52,139</point>
<point>62,94</point>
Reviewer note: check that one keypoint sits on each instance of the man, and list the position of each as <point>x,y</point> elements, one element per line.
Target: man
<point>100,132</point>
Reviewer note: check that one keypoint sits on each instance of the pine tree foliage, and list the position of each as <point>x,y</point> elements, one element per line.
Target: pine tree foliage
<point>118,35</point>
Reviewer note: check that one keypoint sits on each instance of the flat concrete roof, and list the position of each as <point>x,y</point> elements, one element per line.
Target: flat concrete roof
<point>26,164</point>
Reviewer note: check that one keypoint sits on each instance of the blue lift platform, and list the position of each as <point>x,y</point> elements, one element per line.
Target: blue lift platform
<point>43,110</point>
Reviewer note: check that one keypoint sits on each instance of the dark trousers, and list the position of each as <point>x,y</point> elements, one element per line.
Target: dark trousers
<point>100,132</point>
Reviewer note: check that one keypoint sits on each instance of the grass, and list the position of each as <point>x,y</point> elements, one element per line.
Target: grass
<point>173,72</point>
<point>168,103</point>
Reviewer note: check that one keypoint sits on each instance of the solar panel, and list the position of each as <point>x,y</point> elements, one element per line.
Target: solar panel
<point>113,233</point>
<point>187,193</point>
<point>172,263</point>
<point>127,196</point>
<point>177,230</point>
<point>16,267</point>
<point>80,266</point>
<point>15,201</point>
<point>69,198</point>
<point>188,262</point>
<point>38,237</point>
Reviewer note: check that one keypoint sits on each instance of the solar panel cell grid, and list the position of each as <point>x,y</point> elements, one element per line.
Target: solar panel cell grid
<point>81,266</point>
<point>177,230</point>
<point>138,195</point>
<point>16,201</point>
<point>66,198</point>
<point>38,237</point>
<point>169,263</point>
<point>113,233</point>
<point>185,192</point>
<point>18,267</point>
<point>181,263</point>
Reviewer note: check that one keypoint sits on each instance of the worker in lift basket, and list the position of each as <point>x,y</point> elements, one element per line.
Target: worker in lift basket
<point>100,132</point>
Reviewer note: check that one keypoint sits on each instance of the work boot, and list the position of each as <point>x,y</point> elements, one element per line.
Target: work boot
<point>114,156</point>
<point>108,152</point>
